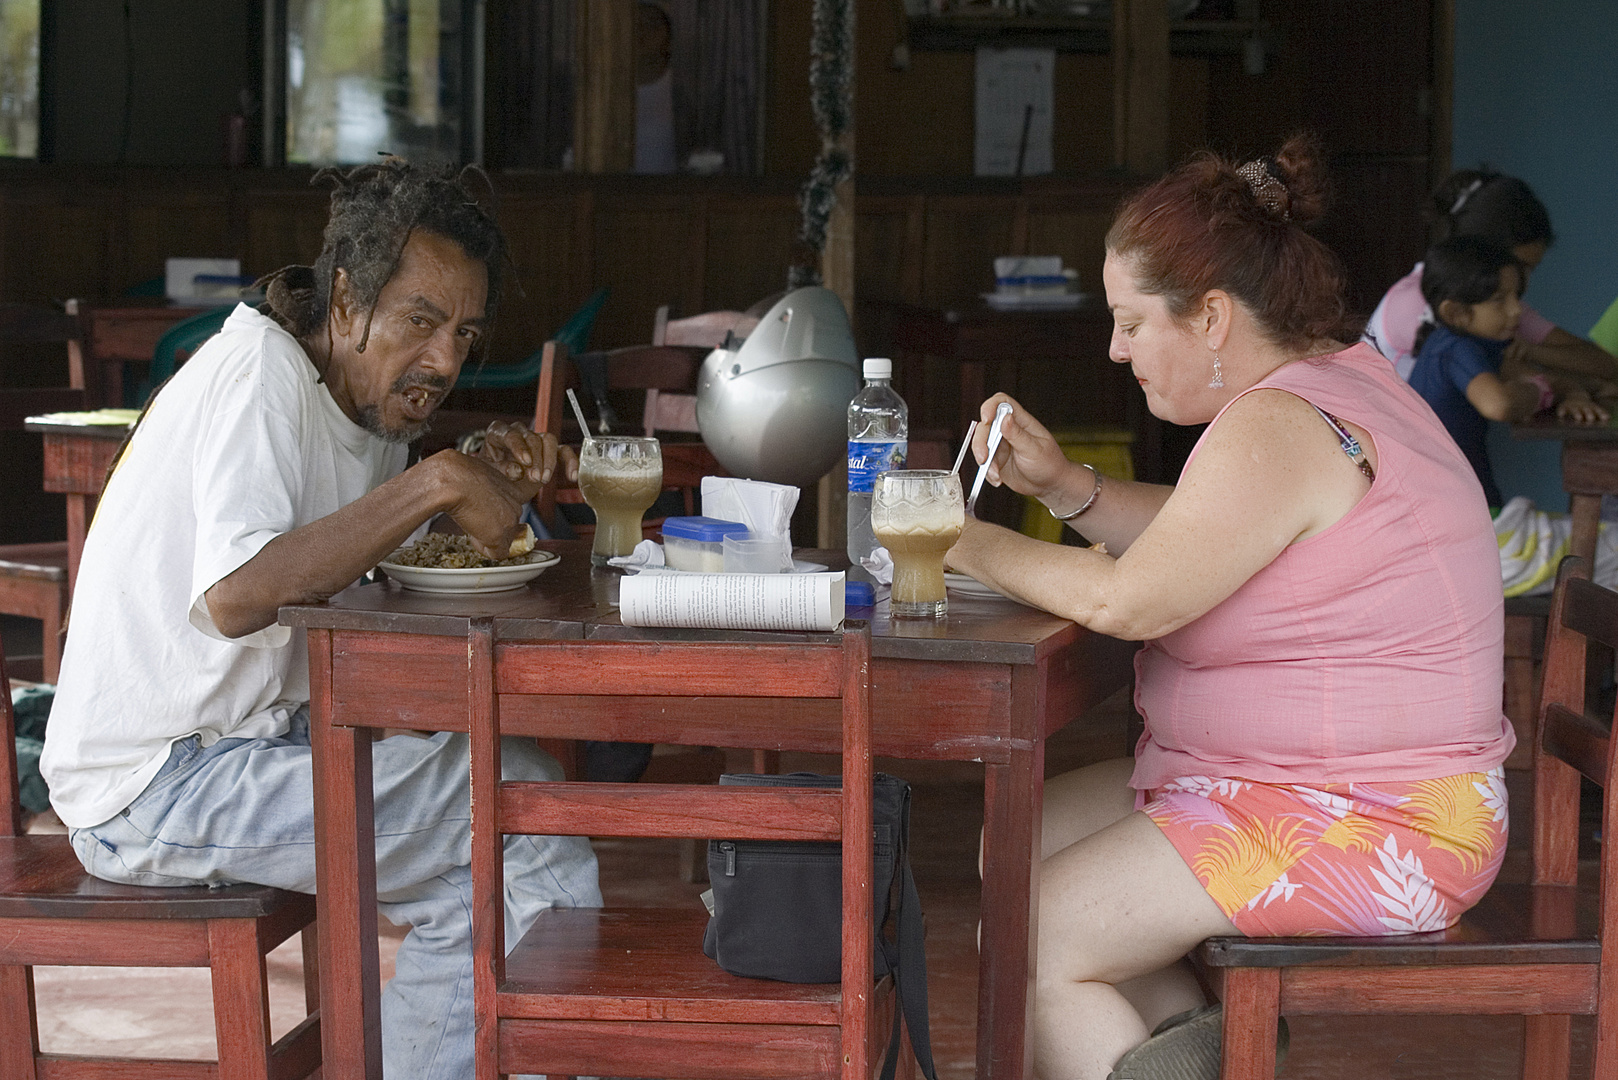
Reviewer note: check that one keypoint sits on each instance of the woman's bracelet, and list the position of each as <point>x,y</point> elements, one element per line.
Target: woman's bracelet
<point>1095,493</point>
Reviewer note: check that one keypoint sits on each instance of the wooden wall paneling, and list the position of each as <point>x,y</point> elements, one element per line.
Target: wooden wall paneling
<point>964,234</point>
<point>749,246</point>
<point>1140,80</point>
<point>1375,224</point>
<point>886,264</point>
<point>696,254</point>
<point>175,222</point>
<point>1077,234</point>
<point>543,284</point>
<point>604,86</point>
<point>790,138</point>
<point>62,241</point>
<point>641,249</point>
<point>283,227</point>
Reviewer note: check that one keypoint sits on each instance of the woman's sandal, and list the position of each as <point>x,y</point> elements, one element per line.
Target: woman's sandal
<point>1186,1047</point>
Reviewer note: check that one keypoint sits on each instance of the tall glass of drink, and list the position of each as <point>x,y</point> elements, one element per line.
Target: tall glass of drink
<point>917,514</point>
<point>619,477</point>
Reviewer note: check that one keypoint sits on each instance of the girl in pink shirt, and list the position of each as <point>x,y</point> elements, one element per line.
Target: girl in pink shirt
<point>1320,602</point>
<point>1501,208</point>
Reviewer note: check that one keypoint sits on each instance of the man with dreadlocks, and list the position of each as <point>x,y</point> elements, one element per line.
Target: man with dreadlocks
<point>271,470</point>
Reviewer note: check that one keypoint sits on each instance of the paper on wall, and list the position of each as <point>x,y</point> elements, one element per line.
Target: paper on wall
<point>1010,83</point>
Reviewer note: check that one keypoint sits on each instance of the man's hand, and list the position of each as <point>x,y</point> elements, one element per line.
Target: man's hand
<point>526,459</point>
<point>486,502</point>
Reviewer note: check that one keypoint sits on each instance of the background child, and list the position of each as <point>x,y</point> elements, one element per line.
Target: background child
<point>1473,286</point>
<point>1503,209</point>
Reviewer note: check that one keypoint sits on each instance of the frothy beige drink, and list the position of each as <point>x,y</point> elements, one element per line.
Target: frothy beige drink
<point>918,558</point>
<point>917,515</point>
<point>619,483</point>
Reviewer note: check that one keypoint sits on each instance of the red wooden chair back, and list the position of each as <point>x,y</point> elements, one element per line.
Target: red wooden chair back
<point>627,992</point>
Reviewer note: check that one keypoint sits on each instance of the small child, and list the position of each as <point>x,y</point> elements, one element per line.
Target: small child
<point>1474,287</point>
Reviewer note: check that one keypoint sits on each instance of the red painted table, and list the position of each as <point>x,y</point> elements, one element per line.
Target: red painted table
<point>989,683</point>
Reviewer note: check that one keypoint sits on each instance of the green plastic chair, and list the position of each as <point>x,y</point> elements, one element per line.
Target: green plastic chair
<point>575,334</point>
<point>187,335</point>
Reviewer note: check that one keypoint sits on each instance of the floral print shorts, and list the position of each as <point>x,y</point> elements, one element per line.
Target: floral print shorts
<point>1284,860</point>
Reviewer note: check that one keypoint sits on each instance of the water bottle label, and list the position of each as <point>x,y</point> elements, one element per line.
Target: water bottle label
<point>868,460</point>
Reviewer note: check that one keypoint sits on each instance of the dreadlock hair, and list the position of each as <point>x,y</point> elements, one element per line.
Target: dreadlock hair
<point>374,209</point>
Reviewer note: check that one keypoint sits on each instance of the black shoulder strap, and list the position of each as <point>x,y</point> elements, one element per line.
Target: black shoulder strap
<point>910,967</point>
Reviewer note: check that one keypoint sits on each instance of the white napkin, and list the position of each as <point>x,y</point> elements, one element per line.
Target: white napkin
<point>766,509</point>
<point>879,564</point>
<point>647,553</point>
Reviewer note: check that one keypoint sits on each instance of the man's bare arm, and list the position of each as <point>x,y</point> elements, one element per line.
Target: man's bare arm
<point>311,563</point>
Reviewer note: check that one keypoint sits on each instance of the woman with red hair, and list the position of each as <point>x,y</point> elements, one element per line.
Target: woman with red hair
<point>1319,598</point>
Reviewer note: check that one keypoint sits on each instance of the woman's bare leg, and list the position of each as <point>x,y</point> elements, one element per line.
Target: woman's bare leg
<point>1118,910</point>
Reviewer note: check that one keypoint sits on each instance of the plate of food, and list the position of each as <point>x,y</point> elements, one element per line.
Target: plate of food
<point>969,586</point>
<point>442,563</point>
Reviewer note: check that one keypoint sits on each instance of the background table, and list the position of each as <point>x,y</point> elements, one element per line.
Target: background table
<point>988,684</point>
<point>117,332</point>
<point>1054,361</point>
<point>77,457</point>
<point>1589,471</point>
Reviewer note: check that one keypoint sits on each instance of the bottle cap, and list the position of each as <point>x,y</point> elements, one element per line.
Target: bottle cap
<point>878,367</point>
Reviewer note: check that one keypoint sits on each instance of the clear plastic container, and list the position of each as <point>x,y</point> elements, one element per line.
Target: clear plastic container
<point>697,543</point>
<point>757,555</point>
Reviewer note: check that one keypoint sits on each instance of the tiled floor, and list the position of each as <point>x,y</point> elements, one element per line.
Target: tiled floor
<point>121,1011</point>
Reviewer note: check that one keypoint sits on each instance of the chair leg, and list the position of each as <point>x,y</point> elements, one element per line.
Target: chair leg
<point>310,940</point>
<point>1252,1008</point>
<point>1547,1047</point>
<point>19,1042</point>
<point>241,1002</point>
<point>51,641</point>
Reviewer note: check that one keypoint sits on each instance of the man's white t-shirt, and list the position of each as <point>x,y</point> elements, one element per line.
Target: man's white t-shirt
<point>244,444</point>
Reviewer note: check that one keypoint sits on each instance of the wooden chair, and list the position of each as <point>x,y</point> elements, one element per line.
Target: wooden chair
<point>627,991</point>
<point>34,577</point>
<point>54,914</point>
<point>1533,950</point>
<point>657,370</point>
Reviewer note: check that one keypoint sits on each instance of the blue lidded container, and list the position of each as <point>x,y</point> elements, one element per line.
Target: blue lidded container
<point>697,543</point>
<point>859,594</point>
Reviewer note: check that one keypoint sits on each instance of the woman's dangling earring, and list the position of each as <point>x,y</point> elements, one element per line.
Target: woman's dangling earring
<point>1218,380</point>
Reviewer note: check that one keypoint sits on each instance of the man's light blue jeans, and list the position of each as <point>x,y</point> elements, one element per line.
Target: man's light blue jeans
<point>242,810</point>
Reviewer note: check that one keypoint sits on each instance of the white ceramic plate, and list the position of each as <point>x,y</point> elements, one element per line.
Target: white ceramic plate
<point>969,586</point>
<point>478,579</point>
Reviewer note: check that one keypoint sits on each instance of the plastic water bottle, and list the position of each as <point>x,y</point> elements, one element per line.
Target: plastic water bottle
<point>878,439</point>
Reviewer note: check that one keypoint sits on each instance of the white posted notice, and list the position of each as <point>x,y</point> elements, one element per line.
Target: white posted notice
<point>1014,99</point>
<point>733,601</point>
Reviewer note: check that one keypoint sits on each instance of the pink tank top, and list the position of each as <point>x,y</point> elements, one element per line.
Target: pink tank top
<point>1370,651</point>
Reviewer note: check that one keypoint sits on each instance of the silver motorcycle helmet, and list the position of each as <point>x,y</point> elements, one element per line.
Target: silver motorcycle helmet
<point>774,407</point>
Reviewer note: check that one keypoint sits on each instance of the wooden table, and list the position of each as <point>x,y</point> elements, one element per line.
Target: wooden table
<point>1074,381</point>
<point>119,331</point>
<point>77,457</point>
<point>1589,471</point>
<point>989,683</point>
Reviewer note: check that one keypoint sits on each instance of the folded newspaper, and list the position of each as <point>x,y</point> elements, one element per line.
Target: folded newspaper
<point>732,601</point>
